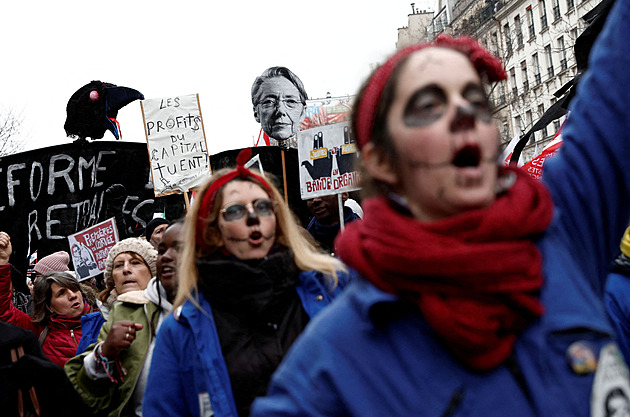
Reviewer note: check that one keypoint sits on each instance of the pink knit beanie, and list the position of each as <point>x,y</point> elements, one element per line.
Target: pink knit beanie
<point>56,262</point>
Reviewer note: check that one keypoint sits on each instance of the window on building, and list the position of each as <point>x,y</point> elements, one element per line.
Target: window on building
<point>536,65</point>
<point>524,76</point>
<point>530,22</point>
<point>530,122</point>
<point>574,35</point>
<point>513,83</point>
<point>548,54</point>
<point>518,126</point>
<point>543,14</point>
<point>570,5</point>
<point>508,39</point>
<point>556,10</point>
<point>541,111</point>
<point>502,92</point>
<point>518,29</point>
<point>563,53</point>
<point>556,123</point>
<point>495,44</point>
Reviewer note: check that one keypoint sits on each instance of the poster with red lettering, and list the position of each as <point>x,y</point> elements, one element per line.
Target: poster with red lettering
<point>89,248</point>
<point>327,156</point>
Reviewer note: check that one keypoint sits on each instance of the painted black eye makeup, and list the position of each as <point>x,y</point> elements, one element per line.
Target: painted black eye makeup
<point>475,95</point>
<point>425,106</point>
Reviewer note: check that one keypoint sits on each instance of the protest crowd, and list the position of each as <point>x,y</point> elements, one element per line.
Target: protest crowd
<point>451,285</point>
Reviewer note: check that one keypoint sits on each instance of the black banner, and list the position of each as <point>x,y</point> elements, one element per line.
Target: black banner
<point>53,192</point>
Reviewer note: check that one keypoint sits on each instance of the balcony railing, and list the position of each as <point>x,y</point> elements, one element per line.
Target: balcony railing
<point>563,64</point>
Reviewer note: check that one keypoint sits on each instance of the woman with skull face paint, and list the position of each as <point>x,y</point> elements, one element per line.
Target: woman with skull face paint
<point>249,283</point>
<point>482,288</point>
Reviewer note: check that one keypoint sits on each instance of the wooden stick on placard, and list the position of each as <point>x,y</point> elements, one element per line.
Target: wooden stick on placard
<point>340,205</point>
<point>186,201</point>
<point>284,177</point>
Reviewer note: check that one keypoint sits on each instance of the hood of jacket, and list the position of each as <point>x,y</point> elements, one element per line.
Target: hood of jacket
<point>157,295</point>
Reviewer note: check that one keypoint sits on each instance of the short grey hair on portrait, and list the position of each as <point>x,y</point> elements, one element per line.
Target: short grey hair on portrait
<point>273,72</point>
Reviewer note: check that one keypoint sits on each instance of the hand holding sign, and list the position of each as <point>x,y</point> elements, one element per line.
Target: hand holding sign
<point>322,159</point>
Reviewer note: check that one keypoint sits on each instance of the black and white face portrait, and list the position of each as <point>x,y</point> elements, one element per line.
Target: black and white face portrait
<point>279,103</point>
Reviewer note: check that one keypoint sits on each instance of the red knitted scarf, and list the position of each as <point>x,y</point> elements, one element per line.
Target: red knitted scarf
<point>476,276</point>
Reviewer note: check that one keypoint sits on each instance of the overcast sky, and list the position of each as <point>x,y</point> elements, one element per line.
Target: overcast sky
<point>170,48</point>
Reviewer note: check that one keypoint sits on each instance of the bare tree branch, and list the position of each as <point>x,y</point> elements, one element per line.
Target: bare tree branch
<point>10,125</point>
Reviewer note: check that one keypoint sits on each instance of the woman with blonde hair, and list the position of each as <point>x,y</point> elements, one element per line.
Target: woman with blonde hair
<point>249,283</point>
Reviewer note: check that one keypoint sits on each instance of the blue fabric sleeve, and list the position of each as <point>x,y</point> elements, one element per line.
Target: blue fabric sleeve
<point>589,178</point>
<point>617,301</point>
<point>164,393</point>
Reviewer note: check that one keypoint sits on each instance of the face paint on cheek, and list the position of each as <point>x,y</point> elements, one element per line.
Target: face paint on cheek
<point>420,119</point>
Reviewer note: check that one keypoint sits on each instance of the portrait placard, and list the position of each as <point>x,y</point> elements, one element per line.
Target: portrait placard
<point>89,248</point>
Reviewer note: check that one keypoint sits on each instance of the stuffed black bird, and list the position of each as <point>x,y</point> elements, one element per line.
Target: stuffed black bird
<point>92,109</point>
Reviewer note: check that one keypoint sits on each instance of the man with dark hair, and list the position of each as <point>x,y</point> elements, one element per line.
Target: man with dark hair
<point>279,101</point>
<point>325,224</point>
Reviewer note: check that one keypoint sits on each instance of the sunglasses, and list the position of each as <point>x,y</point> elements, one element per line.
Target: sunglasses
<point>262,208</point>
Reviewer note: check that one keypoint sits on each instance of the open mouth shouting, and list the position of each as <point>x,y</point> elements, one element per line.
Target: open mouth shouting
<point>169,271</point>
<point>256,238</point>
<point>467,157</point>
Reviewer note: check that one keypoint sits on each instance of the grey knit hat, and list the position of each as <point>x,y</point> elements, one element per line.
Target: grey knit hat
<point>135,245</point>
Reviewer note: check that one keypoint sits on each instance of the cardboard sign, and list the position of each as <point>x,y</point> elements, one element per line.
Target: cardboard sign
<point>327,157</point>
<point>89,248</point>
<point>177,143</point>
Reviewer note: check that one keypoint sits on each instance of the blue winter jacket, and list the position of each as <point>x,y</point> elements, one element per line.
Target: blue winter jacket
<point>188,374</point>
<point>617,299</point>
<point>365,357</point>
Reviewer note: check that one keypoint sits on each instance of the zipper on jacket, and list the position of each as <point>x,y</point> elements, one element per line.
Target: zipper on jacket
<point>72,335</point>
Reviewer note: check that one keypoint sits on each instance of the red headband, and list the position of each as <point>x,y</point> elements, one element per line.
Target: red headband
<point>214,188</point>
<point>484,62</point>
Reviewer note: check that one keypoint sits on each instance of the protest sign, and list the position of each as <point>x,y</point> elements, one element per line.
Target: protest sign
<point>327,156</point>
<point>90,247</point>
<point>177,143</point>
<point>50,193</point>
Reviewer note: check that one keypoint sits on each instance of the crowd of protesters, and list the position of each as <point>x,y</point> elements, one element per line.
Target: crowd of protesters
<point>465,287</point>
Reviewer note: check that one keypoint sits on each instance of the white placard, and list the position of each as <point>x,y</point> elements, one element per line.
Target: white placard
<point>327,156</point>
<point>177,144</point>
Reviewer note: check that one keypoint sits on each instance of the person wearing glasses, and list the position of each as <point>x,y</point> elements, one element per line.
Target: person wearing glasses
<point>249,282</point>
<point>279,100</point>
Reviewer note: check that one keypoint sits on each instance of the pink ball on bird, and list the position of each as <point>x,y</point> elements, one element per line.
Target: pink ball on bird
<point>93,95</point>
